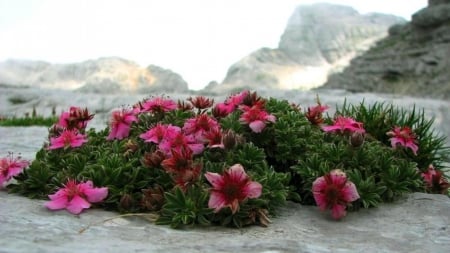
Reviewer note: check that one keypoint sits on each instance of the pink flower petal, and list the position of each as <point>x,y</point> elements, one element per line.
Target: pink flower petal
<point>197,148</point>
<point>319,184</point>
<point>77,204</point>
<point>253,190</point>
<point>58,201</point>
<point>237,173</point>
<point>321,200</point>
<point>349,192</point>
<point>271,118</point>
<point>338,211</point>
<point>413,147</point>
<point>216,201</point>
<point>257,126</point>
<point>234,206</point>
<point>95,195</point>
<point>215,179</point>
<point>330,128</point>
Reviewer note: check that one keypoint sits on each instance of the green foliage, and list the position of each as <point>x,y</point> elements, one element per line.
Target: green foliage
<point>16,100</point>
<point>379,118</point>
<point>286,157</point>
<point>28,121</point>
<point>187,208</point>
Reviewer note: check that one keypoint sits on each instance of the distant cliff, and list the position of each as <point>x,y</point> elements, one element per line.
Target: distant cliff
<point>104,75</point>
<point>318,39</point>
<point>413,60</point>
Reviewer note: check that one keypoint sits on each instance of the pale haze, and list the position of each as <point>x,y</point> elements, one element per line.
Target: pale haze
<point>199,39</point>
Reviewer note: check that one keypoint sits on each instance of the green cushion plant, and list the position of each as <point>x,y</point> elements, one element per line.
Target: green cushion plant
<point>236,162</point>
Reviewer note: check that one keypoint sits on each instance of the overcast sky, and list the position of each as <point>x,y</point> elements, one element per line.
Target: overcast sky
<point>198,39</point>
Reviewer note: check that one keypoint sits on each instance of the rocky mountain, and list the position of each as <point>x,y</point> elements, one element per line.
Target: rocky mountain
<point>318,39</point>
<point>105,75</point>
<point>413,60</point>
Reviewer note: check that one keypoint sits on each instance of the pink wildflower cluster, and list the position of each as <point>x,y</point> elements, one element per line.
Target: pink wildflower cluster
<point>177,145</point>
<point>68,131</point>
<point>435,182</point>
<point>334,191</point>
<point>231,188</point>
<point>76,196</point>
<point>405,137</point>
<point>11,167</point>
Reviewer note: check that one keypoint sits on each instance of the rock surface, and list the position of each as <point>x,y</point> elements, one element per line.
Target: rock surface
<point>104,75</point>
<point>412,60</point>
<point>418,223</point>
<point>318,39</point>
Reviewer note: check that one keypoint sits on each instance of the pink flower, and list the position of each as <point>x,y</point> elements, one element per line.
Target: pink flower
<point>159,132</point>
<point>256,117</point>
<point>201,102</point>
<point>75,118</point>
<point>435,181</point>
<point>222,110</point>
<point>76,197</point>
<point>120,123</point>
<point>158,105</point>
<point>405,137</point>
<point>67,138</point>
<point>238,98</point>
<point>10,167</point>
<point>182,168</point>
<point>214,139</point>
<point>231,188</point>
<point>180,141</point>
<point>200,126</point>
<point>342,124</point>
<point>314,114</point>
<point>333,191</point>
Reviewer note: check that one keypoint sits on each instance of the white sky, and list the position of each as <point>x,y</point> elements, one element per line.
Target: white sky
<point>198,39</point>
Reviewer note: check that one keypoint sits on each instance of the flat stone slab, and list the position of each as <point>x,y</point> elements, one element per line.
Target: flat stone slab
<point>417,223</point>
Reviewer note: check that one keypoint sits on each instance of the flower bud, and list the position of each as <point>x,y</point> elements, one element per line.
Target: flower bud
<point>229,139</point>
<point>153,198</point>
<point>357,139</point>
<point>153,159</point>
<point>131,146</point>
<point>126,202</point>
<point>55,131</point>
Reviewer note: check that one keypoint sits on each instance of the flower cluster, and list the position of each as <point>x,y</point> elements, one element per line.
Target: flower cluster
<point>232,163</point>
<point>68,131</point>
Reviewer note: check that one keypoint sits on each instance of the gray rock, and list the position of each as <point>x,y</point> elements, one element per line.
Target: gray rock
<point>432,16</point>
<point>318,40</point>
<point>412,60</point>
<point>104,75</point>
<point>417,223</point>
<point>324,33</point>
<point>437,2</point>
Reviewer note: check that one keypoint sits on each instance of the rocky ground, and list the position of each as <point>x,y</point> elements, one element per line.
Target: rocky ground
<point>417,223</point>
